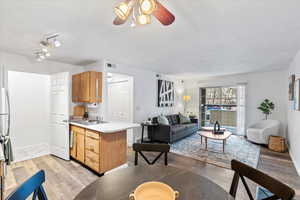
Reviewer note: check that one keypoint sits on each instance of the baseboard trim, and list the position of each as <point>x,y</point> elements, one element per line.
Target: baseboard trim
<point>30,152</point>
<point>294,162</point>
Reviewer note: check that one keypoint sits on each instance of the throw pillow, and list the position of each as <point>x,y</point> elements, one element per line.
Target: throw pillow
<point>175,119</point>
<point>169,118</point>
<point>162,120</point>
<point>183,119</point>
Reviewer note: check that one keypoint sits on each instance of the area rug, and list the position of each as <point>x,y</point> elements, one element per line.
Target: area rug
<point>237,147</point>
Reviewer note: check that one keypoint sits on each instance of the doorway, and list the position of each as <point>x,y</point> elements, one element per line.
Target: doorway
<point>120,100</point>
<point>225,105</point>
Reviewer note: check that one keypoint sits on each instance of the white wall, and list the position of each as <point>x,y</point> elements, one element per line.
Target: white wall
<point>293,117</point>
<point>259,86</point>
<point>29,96</point>
<point>145,92</point>
<point>29,124</point>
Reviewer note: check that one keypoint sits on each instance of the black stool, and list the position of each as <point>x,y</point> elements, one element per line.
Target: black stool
<point>161,148</point>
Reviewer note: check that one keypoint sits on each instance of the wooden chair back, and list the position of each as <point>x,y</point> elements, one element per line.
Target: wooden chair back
<point>150,147</point>
<point>32,185</point>
<point>279,189</point>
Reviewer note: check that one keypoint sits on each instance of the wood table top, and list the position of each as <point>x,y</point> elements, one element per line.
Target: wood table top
<point>211,135</point>
<point>119,184</point>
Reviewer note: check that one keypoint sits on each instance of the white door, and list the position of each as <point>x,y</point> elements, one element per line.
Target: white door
<point>119,101</point>
<point>59,111</point>
<point>120,104</point>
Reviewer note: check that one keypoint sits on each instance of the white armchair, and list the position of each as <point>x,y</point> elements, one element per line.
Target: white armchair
<point>260,132</point>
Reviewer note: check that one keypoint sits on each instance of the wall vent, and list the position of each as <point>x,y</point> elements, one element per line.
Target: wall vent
<point>110,65</point>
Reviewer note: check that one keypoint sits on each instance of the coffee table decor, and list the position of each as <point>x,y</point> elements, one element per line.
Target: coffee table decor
<point>154,191</point>
<point>217,129</point>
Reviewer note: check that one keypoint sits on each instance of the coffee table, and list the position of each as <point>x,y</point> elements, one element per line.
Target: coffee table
<point>210,135</point>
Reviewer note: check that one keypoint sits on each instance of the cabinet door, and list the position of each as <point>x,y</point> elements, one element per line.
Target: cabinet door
<point>80,147</point>
<point>84,94</point>
<point>73,149</point>
<point>95,87</point>
<point>75,87</point>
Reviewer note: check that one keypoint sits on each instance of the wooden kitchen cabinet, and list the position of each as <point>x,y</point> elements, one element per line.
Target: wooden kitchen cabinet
<point>77,150</point>
<point>99,151</point>
<point>84,92</point>
<point>73,149</point>
<point>75,87</point>
<point>87,87</point>
<point>80,147</point>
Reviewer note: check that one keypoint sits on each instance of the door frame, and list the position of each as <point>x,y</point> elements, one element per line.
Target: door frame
<point>132,102</point>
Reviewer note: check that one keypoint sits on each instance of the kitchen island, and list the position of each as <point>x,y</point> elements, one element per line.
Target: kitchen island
<point>101,147</point>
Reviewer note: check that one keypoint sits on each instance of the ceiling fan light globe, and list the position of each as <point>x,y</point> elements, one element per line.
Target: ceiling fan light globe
<point>147,6</point>
<point>122,10</point>
<point>144,19</point>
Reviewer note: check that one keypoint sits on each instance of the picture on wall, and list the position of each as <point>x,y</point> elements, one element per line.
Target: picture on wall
<point>165,93</point>
<point>291,87</point>
<point>296,95</point>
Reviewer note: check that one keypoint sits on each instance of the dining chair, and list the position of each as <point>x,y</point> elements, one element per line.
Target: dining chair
<point>139,148</point>
<point>277,189</point>
<point>31,185</point>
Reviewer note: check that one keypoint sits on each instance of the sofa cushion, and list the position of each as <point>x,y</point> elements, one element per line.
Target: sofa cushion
<point>183,119</point>
<point>191,126</point>
<point>177,128</point>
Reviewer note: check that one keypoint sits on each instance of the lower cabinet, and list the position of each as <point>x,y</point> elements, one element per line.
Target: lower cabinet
<point>99,151</point>
<point>92,160</point>
<point>80,147</point>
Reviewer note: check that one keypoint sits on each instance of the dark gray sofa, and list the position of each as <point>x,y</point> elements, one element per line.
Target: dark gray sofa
<point>175,131</point>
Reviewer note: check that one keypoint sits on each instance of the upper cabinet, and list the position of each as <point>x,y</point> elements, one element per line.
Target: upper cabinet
<point>87,87</point>
<point>75,87</point>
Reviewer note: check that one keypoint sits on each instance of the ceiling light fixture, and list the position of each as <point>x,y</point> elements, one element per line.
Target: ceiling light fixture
<point>147,6</point>
<point>123,10</point>
<point>49,41</point>
<point>141,11</point>
<point>144,19</point>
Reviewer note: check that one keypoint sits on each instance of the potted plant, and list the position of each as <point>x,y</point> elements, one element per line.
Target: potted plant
<point>266,107</point>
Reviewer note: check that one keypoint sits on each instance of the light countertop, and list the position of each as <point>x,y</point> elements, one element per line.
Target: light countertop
<point>109,127</point>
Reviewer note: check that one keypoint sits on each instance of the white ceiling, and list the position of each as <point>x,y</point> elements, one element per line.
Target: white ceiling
<point>209,37</point>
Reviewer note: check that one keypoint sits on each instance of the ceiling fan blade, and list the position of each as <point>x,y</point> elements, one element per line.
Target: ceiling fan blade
<point>118,21</point>
<point>163,15</point>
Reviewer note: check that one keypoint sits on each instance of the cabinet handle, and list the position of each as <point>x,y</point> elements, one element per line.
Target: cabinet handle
<point>97,88</point>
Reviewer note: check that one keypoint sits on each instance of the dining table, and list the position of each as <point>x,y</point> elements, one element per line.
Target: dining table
<point>118,185</point>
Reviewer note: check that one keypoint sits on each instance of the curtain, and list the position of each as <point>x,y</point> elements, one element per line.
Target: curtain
<point>241,109</point>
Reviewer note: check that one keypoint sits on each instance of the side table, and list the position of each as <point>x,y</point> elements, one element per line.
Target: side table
<point>150,127</point>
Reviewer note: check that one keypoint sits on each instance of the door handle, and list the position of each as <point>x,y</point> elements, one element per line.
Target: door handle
<point>65,121</point>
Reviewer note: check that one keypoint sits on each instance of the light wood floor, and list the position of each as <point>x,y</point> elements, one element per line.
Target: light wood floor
<point>64,179</point>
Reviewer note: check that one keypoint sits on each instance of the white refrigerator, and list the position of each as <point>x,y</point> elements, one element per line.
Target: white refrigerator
<point>4,125</point>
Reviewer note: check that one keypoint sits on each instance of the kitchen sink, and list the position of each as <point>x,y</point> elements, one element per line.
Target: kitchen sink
<point>89,122</point>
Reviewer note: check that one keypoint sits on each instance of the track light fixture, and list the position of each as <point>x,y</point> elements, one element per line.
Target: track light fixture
<point>49,42</point>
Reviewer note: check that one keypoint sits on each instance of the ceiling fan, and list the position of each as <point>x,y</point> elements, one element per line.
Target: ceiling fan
<point>141,11</point>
